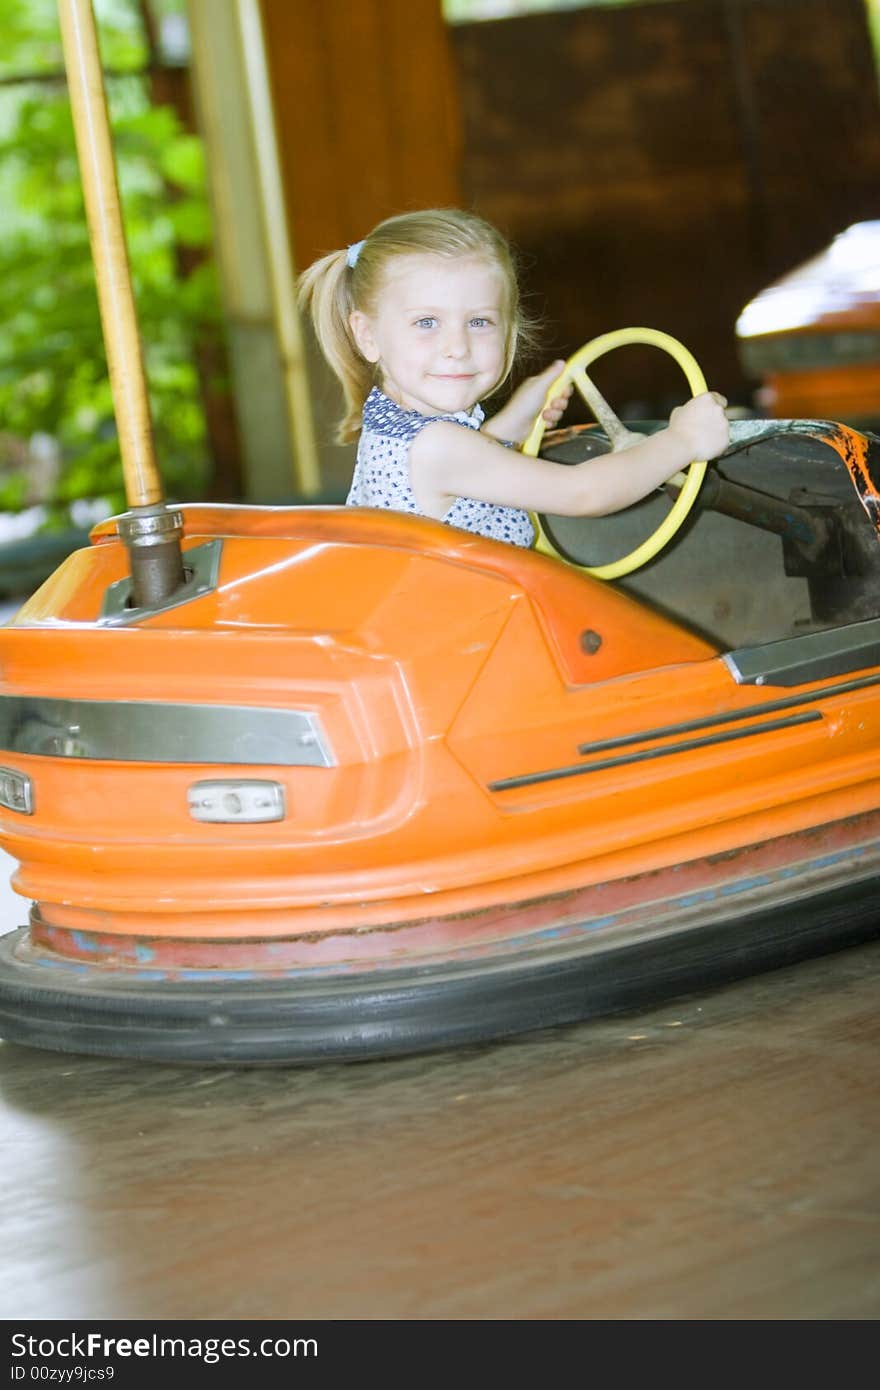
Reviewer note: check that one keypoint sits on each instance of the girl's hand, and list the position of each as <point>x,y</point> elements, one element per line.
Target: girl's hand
<point>702,425</point>
<point>553,412</point>
<point>515,420</point>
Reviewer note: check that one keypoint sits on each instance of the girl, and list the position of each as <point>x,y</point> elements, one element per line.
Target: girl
<point>421,321</point>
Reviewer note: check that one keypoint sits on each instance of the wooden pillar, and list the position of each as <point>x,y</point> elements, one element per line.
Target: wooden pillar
<point>365,125</point>
<point>367,116</point>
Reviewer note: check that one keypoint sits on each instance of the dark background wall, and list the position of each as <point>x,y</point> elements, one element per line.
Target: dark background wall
<point>661,164</point>
<point>367,113</point>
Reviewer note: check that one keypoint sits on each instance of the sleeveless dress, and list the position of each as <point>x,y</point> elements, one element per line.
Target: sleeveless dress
<point>381,474</point>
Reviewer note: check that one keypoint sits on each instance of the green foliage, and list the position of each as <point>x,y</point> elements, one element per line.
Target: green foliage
<point>53,370</point>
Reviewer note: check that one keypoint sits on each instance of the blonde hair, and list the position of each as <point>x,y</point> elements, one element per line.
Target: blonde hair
<point>331,289</point>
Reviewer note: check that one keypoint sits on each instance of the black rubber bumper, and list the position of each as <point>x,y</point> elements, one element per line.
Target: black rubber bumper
<point>393,1011</point>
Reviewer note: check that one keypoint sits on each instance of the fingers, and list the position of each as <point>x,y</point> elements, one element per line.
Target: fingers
<point>555,409</point>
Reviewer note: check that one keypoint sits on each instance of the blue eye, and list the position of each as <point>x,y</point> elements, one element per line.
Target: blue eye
<point>426,322</point>
<point>481,323</point>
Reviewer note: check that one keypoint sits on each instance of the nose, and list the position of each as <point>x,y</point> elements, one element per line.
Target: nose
<point>454,342</point>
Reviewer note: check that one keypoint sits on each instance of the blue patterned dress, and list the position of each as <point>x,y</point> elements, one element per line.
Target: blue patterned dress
<point>381,474</point>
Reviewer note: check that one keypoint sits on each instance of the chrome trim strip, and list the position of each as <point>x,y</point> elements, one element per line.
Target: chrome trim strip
<point>685,746</point>
<point>135,731</point>
<point>811,656</point>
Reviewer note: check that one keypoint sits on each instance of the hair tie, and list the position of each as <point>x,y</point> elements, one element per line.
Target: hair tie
<point>351,255</point>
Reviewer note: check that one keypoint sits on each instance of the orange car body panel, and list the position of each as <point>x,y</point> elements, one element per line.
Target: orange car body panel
<point>444,669</point>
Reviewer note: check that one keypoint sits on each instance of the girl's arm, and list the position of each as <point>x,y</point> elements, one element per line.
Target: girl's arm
<point>447,461</point>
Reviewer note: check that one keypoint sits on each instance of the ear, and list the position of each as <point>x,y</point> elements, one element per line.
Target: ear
<point>362,332</point>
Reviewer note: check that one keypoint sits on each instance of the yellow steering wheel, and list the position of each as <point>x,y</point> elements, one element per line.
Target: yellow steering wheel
<point>575,371</point>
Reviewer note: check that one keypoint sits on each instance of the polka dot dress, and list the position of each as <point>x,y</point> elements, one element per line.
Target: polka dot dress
<point>381,475</point>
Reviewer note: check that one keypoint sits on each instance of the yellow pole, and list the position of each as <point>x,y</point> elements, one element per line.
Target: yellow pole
<point>143,484</point>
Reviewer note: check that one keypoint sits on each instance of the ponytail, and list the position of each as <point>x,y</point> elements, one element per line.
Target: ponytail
<point>324,291</point>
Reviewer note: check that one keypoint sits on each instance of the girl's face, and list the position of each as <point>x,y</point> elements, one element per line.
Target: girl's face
<point>438,333</point>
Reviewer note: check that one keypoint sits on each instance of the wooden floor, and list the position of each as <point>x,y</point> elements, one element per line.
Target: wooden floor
<point>716,1158</point>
